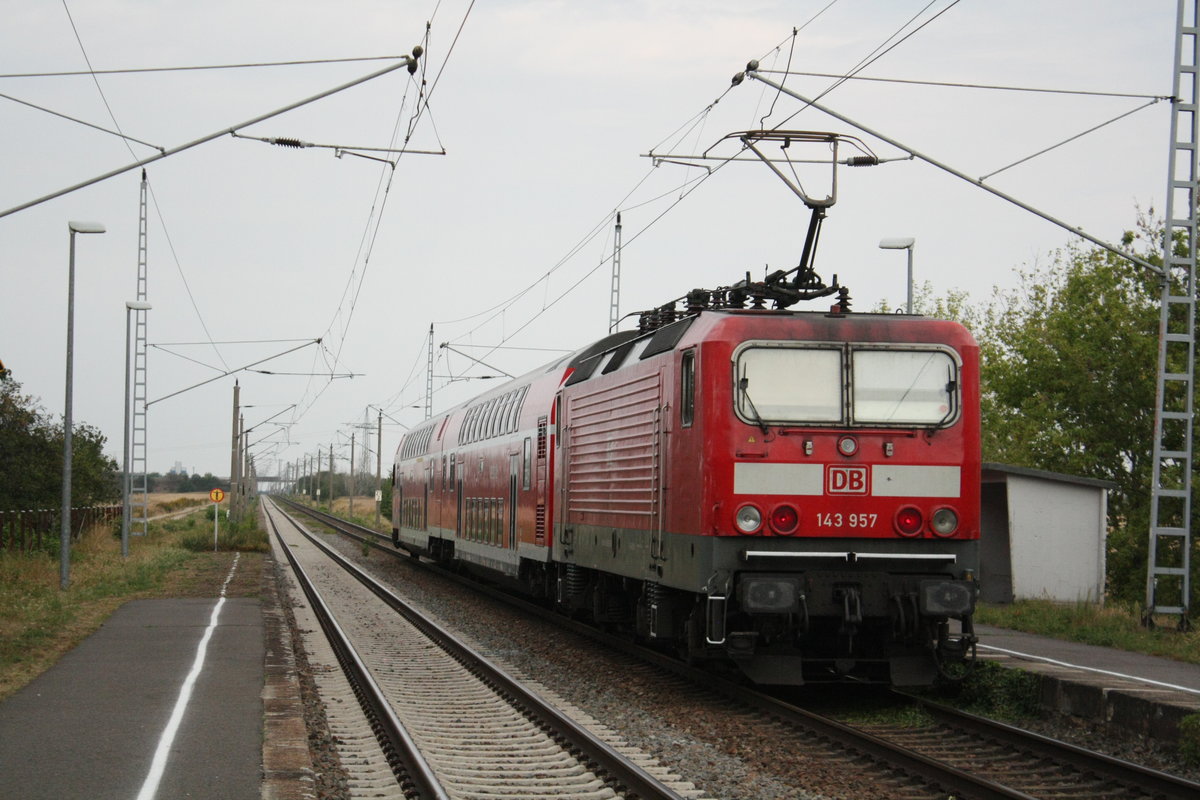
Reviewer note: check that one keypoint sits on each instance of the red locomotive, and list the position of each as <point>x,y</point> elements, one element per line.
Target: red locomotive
<point>793,492</point>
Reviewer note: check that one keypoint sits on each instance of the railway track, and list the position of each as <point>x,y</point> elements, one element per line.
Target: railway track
<point>956,755</point>
<point>448,722</point>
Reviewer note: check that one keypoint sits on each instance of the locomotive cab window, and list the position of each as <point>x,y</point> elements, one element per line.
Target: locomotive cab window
<point>819,384</point>
<point>789,384</point>
<point>913,387</point>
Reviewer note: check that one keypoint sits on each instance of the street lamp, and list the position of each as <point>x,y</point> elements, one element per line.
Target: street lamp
<point>64,551</point>
<point>130,305</point>
<point>902,244</point>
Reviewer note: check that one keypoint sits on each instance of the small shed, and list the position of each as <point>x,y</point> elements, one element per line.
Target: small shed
<point>1042,535</point>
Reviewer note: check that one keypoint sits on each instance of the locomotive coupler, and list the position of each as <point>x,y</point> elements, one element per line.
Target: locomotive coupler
<point>851,607</point>
<point>851,614</point>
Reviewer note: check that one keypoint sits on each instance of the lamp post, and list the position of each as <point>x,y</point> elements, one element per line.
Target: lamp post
<point>64,550</point>
<point>130,305</point>
<point>903,244</point>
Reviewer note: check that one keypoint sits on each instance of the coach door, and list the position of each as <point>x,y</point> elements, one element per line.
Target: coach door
<point>456,480</point>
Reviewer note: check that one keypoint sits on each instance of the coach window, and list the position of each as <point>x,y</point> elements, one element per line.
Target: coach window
<point>904,387</point>
<point>527,464</point>
<point>789,384</point>
<point>687,388</point>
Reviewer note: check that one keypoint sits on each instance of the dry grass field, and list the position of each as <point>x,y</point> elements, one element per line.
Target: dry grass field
<point>40,622</point>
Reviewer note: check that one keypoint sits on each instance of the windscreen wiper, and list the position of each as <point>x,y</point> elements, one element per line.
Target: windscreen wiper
<point>742,384</point>
<point>951,405</point>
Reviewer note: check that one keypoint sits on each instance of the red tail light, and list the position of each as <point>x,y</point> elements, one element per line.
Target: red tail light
<point>784,519</point>
<point>909,521</point>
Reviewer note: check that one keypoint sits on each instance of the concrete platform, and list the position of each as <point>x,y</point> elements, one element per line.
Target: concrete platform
<point>91,725</point>
<point>1143,695</point>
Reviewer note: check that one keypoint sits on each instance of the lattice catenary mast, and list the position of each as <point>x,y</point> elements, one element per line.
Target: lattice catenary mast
<point>139,483</point>
<point>1168,579</point>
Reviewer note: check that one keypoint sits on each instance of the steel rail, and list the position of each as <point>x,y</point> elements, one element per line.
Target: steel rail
<point>945,776</point>
<point>1152,781</point>
<point>398,745</point>
<point>1087,761</point>
<point>627,778</point>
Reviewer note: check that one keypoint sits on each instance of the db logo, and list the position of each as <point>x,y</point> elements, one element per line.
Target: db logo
<point>846,480</point>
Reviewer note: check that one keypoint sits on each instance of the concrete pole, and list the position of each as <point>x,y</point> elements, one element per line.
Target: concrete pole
<point>125,447</point>
<point>379,472</point>
<point>64,551</point>
<point>352,476</point>
<point>233,457</point>
<point>241,440</point>
<point>64,545</point>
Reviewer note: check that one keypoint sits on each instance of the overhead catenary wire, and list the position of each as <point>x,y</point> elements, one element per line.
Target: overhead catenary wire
<point>692,124</point>
<point>876,54</point>
<point>958,174</point>
<point>197,67</point>
<point>888,45</point>
<point>101,128</point>
<point>1070,139</point>
<point>153,197</point>
<point>961,85</point>
<point>420,108</point>
<point>202,140</point>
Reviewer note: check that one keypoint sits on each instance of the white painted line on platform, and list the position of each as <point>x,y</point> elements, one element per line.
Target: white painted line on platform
<point>159,764</point>
<point>1090,669</point>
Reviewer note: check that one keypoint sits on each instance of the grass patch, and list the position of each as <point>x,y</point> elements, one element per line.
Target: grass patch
<point>1008,695</point>
<point>245,536</point>
<point>1189,740</point>
<point>1111,626</point>
<point>40,622</point>
<point>874,707</point>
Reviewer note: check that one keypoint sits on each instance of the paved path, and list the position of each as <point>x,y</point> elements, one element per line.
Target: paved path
<point>91,725</point>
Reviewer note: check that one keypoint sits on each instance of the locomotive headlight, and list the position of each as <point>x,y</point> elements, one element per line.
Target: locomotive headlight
<point>947,598</point>
<point>908,521</point>
<point>770,593</point>
<point>847,445</point>
<point>944,522</point>
<point>784,519</point>
<point>748,519</point>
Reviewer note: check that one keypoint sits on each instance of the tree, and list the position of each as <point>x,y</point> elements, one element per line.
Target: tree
<point>30,467</point>
<point>31,450</point>
<point>1068,383</point>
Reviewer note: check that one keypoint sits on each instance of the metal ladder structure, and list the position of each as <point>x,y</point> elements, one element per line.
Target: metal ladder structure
<point>1168,579</point>
<point>614,303</point>
<point>428,386</point>
<point>139,491</point>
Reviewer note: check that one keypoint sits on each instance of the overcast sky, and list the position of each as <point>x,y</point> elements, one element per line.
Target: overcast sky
<point>545,110</point>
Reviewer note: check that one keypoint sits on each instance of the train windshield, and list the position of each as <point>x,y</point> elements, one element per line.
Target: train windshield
<point>913,387</point>
<point>790,384</point>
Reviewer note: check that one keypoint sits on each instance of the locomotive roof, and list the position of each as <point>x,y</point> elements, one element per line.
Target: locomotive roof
<point>583,362</point>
